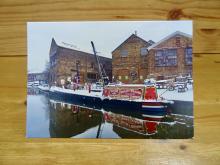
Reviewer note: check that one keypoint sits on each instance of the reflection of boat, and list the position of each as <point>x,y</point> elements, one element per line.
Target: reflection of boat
<point>70,120</point>
<point>33,91</point>
<point>29,84</point>
<point>130,123</point>
<point>136,125</point>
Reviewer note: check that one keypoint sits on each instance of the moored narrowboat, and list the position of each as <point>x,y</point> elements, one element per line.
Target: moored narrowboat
<point>136,97</point>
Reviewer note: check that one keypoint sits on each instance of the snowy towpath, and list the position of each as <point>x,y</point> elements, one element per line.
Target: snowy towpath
<point>175,95</point>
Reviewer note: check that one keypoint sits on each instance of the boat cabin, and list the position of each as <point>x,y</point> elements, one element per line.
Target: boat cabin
<point>130,92</point>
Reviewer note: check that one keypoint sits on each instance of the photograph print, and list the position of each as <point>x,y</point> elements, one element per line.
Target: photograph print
<point>110,79</point>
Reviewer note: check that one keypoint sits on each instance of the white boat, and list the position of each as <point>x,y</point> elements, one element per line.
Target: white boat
<point>44,87</point>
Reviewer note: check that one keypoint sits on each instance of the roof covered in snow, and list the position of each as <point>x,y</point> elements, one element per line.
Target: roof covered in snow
<point>168,37</point>
<point>73,47</point>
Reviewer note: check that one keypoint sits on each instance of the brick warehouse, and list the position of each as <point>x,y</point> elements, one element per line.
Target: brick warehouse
<point>64,63</point>
<point>136,59</point>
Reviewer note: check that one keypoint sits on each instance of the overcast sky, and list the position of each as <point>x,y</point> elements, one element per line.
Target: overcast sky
<point>106,35</point>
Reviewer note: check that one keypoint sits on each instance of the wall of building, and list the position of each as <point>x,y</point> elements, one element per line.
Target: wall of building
<point>144,65</point>
<point>65,65</point>
<point>129,69</point>
<point>171,71</point>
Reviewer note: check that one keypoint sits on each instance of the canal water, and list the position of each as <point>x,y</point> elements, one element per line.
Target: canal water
<point>56,119</point>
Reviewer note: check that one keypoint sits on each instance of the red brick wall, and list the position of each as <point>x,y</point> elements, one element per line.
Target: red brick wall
<point>123,66</point>
<point>66,65</point>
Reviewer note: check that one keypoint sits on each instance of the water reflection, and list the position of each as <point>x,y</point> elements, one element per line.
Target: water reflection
<point>68,120</point>
<point>47,117</point>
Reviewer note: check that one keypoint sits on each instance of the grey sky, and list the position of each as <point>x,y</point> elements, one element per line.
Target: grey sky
<point>107,35</point>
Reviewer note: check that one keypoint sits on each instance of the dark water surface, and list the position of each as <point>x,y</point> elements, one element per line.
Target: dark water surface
<point>53,118</point>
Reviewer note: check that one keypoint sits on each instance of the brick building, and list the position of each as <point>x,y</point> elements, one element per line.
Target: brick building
<point>136,59</point>
<point>65,62</point>
<point>127,59</point>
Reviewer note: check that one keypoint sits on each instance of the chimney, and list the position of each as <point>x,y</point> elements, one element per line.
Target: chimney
<point>135,32</point>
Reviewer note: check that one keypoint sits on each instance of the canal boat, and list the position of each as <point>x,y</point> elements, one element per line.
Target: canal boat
<point>79,96</point>
<point>130,97</point>
<point>137,97</point>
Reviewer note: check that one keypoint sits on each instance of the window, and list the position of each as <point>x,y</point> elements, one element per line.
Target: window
<point>92,65</point>
<point>124,53</point>
<point>126,77</point>
<point>141,77</point>
<point>144,51</point>
<point>166,57</point>
<point>188,56</point>
<point>159,58</point>
<point>119,77</point>
<point>171,57</point>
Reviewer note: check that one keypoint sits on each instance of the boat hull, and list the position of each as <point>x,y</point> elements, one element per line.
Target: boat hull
<point>154,109</point>
<point>81,100</point>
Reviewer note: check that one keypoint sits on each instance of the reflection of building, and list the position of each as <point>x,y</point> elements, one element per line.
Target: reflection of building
<point>66,63</point>
<point>41,77</point>
<point>135,59</point>
<point>68,120</point>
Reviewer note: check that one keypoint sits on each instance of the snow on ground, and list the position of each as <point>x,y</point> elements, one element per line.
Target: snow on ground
<point>175,95</point>
<point>168,95</point>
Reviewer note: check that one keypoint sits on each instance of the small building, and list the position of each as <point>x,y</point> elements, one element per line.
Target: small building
<point>136,59</point>
<point>40,77</point>
<point>66,63</point>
